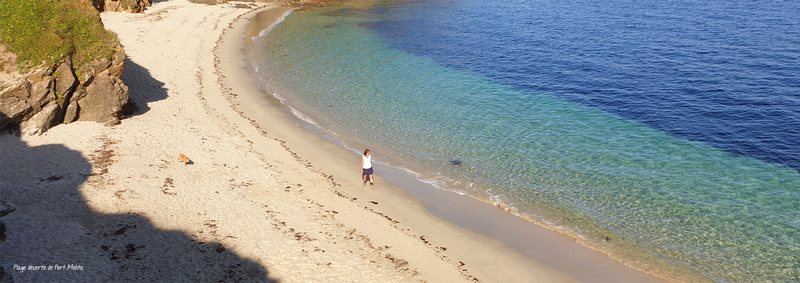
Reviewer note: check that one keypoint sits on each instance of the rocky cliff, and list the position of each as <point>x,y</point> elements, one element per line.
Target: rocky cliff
<point>132,6</point>
<point>49,95</point>
<point>56,91</point>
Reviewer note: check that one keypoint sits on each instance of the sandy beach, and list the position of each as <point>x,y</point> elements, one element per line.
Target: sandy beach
<point>265,196</point>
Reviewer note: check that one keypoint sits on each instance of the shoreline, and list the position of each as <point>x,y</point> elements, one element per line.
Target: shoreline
<point>331,160</point>
<point>553,250</point>
<point>264,198</point>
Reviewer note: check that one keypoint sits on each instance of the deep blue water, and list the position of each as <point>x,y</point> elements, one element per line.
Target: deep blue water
<point>663,134</point>
<point>726,73</point>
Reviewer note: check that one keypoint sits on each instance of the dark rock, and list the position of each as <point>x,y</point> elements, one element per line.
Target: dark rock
<point>118,64</point>
<point>5,208</point>
<point>104,98</point>
<point>111,121</point>
<point>42,121</point>
<point>129,108</point>
<point>132,6</point>
<point>41,93</point>
<point>13,104</point>
<point>99,65</point>
<point>72,113</point>
<point>39,73</point>
<point>20,90</point>
<point>13,110</point>
<point>5,277</point>
<point>65,79</point>
<point>99,95</point>
<point>79,93</point>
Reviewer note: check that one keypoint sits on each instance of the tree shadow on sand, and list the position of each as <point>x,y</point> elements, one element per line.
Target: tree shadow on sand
<point>142,87</point>
<point>53,225</point>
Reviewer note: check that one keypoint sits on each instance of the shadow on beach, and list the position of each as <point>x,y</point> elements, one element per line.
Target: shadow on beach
<point>142,87</point>
<point>51,224</point>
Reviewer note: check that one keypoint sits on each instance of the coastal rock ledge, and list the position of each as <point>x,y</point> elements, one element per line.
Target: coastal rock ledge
<point>131,6</point>
<point>48,95</point>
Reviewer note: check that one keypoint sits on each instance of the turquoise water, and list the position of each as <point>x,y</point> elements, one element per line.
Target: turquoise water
<point>657,201</point>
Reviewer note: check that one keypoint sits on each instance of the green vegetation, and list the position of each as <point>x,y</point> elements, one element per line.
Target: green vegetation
<point>59,98</point>
<point>128,4</point>
<point>46,31</point>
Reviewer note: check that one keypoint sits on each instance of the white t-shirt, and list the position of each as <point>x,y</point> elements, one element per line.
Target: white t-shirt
<point>367,161</point>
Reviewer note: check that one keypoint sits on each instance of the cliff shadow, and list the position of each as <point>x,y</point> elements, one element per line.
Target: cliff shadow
<point>54,235</point>
<point>142,87</point>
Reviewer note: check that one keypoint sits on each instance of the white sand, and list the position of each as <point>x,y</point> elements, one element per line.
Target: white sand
<point>117,204</point>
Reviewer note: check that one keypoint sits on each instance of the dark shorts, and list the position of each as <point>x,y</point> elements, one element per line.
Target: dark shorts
<point>368,171</point>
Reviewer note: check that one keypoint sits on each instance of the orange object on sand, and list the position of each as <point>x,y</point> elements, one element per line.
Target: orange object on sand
<point>185,159</point>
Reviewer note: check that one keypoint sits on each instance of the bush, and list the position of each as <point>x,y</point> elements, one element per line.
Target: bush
<point>47,31</point>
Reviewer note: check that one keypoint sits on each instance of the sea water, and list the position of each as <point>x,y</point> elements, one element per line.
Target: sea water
<point>665,134</point>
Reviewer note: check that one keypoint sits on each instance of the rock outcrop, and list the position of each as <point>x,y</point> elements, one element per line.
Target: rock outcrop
<point>132,6</point>
<point>5,209</point>
<point>49,95</point>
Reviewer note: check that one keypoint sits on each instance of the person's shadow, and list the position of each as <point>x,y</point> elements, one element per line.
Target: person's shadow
<point>50,225</point>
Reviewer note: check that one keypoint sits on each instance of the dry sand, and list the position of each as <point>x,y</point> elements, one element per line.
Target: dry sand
<point>263,199</point>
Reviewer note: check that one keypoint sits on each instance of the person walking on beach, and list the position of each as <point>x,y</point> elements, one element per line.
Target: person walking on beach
<point>366,169</point>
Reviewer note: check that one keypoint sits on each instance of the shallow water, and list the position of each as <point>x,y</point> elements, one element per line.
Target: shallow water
<point>665,135</point>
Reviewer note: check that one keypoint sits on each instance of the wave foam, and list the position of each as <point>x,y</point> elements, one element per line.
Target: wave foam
<point>273,25</point>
